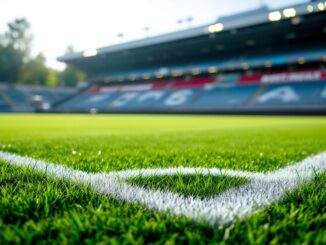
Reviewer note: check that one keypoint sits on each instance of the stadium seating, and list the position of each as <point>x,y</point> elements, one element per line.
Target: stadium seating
<point>20,98</point>
<point>227,91</point>
<point>296,94</point>
<point>236,96</point>
<point>86,101</point>
<point>17,96</point>
<point>2,102</point>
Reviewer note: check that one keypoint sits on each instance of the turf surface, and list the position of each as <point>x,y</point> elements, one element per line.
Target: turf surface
<point>35,207</point>
<point>190,185</point>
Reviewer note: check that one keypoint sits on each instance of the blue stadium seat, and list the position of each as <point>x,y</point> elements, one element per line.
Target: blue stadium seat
<point>47,95</point>
<point>18,97</point>
<point>89,100</point>
<point>5,109</point>
<point>179,98</point>
<point>149,99</point>
<point>224,95</point>
<point>61,95</point>
<point>2,102</point>
<point>171,98</point>
<point>293,94</point>
<point>135,99</point>
<point>76,102</point>
<point>236,96</point>
<point>100,100</point>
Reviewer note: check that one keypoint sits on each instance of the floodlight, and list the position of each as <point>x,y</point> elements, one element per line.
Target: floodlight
<point>245,66</point>
<point>310,8</point>
<point>289,12</point>
<point>177,73</point>
<point>301,61</point>
<point>321,6</point>
<point>268,64</point>
<point>90,53</point>
<point>146,77</point>
<point>275,16</point>
<point>212,69</point>
<point>195,71</point>
<point>133,77</point>
<point>215,28</point>
<point>159,75</point>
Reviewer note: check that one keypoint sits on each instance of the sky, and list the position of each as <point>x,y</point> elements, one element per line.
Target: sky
<point>88,24</point>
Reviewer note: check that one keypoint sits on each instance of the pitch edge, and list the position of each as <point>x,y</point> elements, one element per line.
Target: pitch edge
<point>238,202</point>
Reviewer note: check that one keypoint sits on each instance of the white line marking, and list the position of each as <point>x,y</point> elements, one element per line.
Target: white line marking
<point>237,202</point>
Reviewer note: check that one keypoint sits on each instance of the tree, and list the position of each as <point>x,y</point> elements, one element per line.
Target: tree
<point>11,63</point>
<point>70,76</point>
<point>15,47</point>
<point>34,71</point>
<point>52,79</point>
<point>19,37</point>
<point>17,65</point>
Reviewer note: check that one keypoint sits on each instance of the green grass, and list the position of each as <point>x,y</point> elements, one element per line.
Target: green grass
<point>37,208</point>
<point>190,185</point>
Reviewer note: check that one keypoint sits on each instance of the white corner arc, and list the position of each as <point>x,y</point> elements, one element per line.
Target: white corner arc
<point>237,202</point>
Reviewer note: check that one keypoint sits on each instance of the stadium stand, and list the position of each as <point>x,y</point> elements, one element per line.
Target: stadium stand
<point>260,61</point>
<point>235,96</point>
<point>298,89</point>
<point>303,94</point>
<point>21,98</point>
<point>3,105</point>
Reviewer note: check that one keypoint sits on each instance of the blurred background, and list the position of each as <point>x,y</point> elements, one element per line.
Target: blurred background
<point>163,56</point>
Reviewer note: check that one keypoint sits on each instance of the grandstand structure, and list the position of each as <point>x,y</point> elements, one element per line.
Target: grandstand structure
<point>20,98</point>
<point>259,61</point>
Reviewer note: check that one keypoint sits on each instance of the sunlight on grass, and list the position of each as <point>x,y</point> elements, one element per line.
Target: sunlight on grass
<point>190,185</point>
<point>35,207</point>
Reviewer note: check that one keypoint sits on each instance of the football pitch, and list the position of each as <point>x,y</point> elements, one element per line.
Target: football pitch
<point>136,179</point>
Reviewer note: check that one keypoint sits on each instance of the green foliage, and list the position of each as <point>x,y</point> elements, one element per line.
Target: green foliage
<point>14,50</point>
<point>35,208</point>
<point>11,62</point>
<point>19,37</point>
<point>70,76</point>
<point>34,71</point>
<point>17,66</point>
<point>52,79</point>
